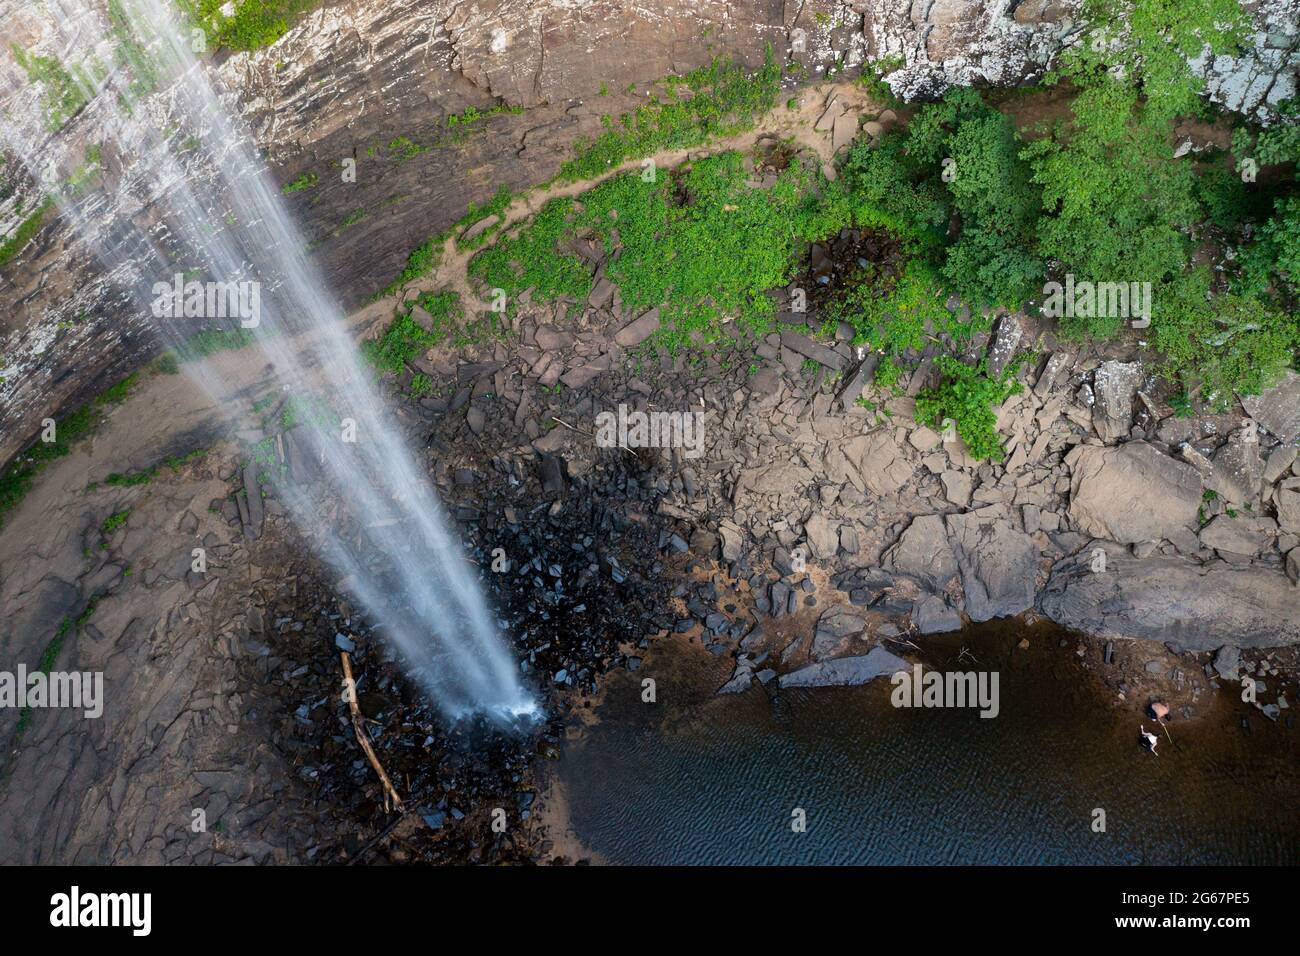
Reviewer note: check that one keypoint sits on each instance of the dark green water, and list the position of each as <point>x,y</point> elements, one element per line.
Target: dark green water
<point>705,780</point>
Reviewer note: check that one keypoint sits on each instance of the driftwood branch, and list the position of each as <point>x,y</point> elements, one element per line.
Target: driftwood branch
<point>391,799</point>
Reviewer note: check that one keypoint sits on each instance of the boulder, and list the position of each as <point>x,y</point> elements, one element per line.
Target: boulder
<point>1174,600</point>
<point>1288,505</point>
<point>934,616</point>
<point>1131,493</point>
<point>1115,384</point>
<point>823,537</point>
<point>923,552</point>
<point>1006,339</point>
<point>1226,661</point>
<point>1238,470</point>
<point>998,562</point>
<point>741,678</point>
<point>638,330</point>
<point>1278,408</point>
<point>836,625</point>
<point>805,346</point>
<point>1245,534</point>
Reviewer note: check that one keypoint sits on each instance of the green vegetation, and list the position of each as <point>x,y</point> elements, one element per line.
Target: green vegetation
<point>532,258</point>
<point>496,206</point>
<point>697,241</point>
<point>424,258</point>
<point>716,100</point>
<point>136,478</point>
<point>1150,42</point>
<point>210,341</point>
<point>967,397</point>
<point>65,94</point>
<point>256,23</point>
<point>872,79</point>
<point>405,148</point>
<point>1219,345</point>
<point>957,160</point>
<point>17,479</point>
<point>420,384</point>
<point>130,53</point>
<point>407,339</point>
<point>1121,204</point>
<point>115,521</point>
<point>87,171</point>
<point>306,181</point>
<point>25,232</point>
<point>472,114</point>
<point>49,657</point>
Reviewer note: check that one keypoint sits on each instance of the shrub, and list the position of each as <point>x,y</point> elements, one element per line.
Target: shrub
<point>967,396</point>
<point>1217,346</point>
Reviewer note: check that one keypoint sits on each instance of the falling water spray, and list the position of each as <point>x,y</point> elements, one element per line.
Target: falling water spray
<point>190,197</point>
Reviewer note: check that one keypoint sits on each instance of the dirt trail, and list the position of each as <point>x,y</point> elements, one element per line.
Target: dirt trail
<point>452,272</point>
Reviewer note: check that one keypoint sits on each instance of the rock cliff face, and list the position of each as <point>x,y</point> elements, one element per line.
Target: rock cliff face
<point>376,81</point>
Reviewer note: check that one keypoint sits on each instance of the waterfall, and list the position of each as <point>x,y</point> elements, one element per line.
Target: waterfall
<point>185,198</point>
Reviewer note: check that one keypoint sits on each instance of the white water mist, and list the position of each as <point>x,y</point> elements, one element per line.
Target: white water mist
<point>190,195</point>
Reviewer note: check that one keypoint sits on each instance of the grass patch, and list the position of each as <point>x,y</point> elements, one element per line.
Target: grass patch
<point>720,99</point>
<point>50,655</point>
<point>210,341</point>
<point>255,24</point>
<point>136,478</point>
<point>115,521</point>
<point>699,242</point>
<point>406,339</point>
<point>64,94</point>
<point>25,232</point>
<point>306,181</point>
<point>16,480</point>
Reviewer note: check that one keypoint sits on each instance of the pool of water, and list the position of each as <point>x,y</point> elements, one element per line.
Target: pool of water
<point>698,779</point>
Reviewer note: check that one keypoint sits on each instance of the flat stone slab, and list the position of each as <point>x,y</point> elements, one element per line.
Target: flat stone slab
<point>923,552</point>
<point>1175,600</point>
<point>638,330</point>
<point>1131,493</point>
<point>845,671</point>
<point>806,347</point>
<point>997,560</point>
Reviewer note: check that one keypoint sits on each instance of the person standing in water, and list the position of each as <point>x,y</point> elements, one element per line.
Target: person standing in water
<point>1149,740</point>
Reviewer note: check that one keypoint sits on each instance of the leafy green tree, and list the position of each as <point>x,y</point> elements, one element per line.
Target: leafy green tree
<point>957,167</point>
<point>1150,43</point>
<point>1223,344</point>
<point>1119,205</point>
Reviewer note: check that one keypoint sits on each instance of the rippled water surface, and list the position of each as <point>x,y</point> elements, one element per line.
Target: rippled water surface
<point>697,779</point>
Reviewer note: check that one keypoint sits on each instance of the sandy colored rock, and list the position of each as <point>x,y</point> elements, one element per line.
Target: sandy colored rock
<point>1131,493</point>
